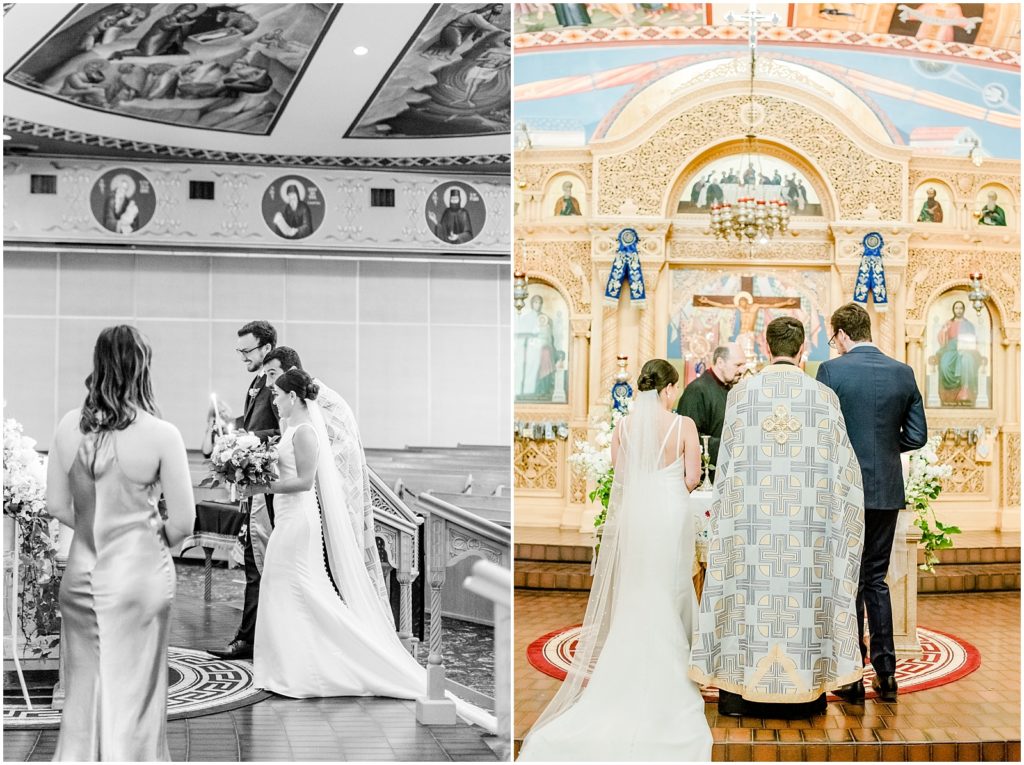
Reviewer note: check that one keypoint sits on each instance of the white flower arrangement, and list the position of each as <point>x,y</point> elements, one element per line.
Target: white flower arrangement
<point>25,502</point>
<point>594,461</point>
<point>923,476</point>
<point>24,474</point>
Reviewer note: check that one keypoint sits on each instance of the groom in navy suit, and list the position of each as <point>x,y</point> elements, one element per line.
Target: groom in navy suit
<point>884,416</point>
<point>255,340</point>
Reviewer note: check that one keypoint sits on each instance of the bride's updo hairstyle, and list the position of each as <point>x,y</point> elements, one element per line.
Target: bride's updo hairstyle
<point>298,382</point>
<point>656,375</point>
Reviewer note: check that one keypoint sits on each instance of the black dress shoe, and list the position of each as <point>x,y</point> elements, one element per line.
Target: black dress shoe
<point>730,704</point>
<point>237,649</point>
<point>885,686</point>
<point>853,692</point>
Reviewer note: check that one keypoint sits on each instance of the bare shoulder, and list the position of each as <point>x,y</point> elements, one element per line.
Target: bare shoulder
<point>69,422</point>
<point>305,434</point>
<point>687,423</point>
<point>163,432</point>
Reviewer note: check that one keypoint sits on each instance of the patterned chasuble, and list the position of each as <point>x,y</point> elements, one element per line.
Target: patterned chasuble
<point>777,617</point>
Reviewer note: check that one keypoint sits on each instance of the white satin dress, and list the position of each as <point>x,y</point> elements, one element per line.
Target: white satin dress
<point>309,642</point>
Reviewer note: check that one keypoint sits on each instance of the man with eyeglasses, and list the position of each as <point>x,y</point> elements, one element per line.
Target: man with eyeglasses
<point>255,340</point>
<point>884,416</point>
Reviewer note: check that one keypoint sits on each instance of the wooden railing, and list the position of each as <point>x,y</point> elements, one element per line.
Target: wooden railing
<point>452,535</point>
<point>495,583</point>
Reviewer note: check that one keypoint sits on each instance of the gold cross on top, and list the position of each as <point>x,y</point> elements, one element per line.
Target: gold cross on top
<point>780,424</point>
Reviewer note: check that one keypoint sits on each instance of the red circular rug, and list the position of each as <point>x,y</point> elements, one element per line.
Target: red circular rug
<point>944,658</point>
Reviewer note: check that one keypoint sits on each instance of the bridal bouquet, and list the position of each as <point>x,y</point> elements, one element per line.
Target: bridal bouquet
<point>242,459</point>
<point>923,481</point>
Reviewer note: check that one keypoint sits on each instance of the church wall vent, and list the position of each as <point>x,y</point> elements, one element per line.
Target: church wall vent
<point>43,184</point>
<point>200,189</point>
<point>382,197</point>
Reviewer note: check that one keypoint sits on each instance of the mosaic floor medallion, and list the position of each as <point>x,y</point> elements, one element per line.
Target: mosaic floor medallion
<point>197,684</point>
<point>944,659</point>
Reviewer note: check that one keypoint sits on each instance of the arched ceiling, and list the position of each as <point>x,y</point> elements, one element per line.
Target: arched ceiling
<point>275,83</point>
<point>935,76</point>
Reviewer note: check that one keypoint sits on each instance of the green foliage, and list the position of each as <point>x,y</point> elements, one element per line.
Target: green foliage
<point>39,585</point>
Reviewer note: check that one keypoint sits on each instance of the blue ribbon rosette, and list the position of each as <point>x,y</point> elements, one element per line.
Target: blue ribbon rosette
<point>871,274</point>
<point>626,265</point>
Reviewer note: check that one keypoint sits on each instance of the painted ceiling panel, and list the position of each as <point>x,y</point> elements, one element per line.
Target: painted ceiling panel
<point>275,81</point>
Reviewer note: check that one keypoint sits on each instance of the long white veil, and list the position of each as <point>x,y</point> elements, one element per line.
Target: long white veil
<point>640,456</point>
<point>344,552</point>
<point>353,581</point>
<point>350,462</point>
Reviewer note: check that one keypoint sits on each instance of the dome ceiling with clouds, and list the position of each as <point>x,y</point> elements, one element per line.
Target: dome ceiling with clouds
<point>365,85</point>
<point>937,76</point>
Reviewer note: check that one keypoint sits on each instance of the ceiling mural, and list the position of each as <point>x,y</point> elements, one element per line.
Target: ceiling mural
<point>937,105</point>
<point>229,68</point>
<point>947,29</point>
<point>452,79</point>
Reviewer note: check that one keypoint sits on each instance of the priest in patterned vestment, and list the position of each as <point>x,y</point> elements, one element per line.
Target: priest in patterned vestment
<point>777,625</point>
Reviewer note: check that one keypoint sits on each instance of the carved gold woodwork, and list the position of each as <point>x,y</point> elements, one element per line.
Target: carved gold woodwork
<point>682,250</point>
<point>933,271</point>
<point>641,175</point>
<point>968,476</point>
<point>566,264</point>
<point>577,481</point>
<point>535,175</point>
<point>537,464</point>
<point>1011,470</point>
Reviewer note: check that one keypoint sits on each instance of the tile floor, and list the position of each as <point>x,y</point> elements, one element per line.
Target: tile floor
<point>977,717</point>
<point>337,729</point>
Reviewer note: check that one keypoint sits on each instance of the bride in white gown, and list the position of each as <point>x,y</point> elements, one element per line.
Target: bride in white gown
<point>309,642</point>
<point>627,696</point>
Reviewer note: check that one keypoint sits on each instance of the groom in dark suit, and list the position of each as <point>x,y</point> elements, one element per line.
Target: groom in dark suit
<point>255,340</point>
<point>884,417</point>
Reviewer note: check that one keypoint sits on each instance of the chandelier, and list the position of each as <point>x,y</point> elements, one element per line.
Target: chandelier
<point>978,294</point>
<point>750,217</point>
<point>519,290</point>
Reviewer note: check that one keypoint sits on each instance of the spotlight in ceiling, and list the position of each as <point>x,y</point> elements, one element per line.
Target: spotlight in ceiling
<point>361,50</point>
<point>7,137</point>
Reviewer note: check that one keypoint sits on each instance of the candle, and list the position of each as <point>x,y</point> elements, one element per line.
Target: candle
<point>217,421</point>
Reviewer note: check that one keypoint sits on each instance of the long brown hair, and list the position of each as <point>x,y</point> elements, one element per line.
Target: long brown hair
<point>119,385</point>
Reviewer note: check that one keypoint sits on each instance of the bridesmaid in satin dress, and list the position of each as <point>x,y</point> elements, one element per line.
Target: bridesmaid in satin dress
<point>107,466</point>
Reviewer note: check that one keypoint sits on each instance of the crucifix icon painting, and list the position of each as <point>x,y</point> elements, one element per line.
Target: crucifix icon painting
<point>709,309</point>
<point>748,307</point>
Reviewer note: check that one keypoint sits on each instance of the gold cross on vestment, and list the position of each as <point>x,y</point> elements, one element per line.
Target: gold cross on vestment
<point>780,424</point>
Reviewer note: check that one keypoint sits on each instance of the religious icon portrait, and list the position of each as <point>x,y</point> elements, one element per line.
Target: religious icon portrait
<point>726,180</point>
<point>541,347</point>
<point>563,197</point>
<point>123,200</point>
<point>293,207</point>
<point>709,310</point>
<point>453,78</point>
<point>989,206</point>
<point>455,212</point>
<point>212,67</point>
<point>933,204</point>
<point>959,353</point>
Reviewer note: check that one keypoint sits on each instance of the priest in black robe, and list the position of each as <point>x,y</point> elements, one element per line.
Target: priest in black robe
<point>703,400</point>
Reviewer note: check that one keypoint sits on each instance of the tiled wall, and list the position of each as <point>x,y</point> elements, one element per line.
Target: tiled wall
<point>420,350</point>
